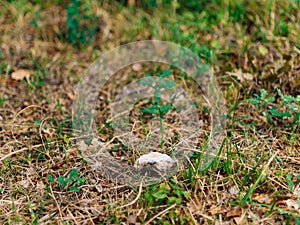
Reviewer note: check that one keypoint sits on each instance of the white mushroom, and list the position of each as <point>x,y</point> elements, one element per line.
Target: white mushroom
<point>162,162</point>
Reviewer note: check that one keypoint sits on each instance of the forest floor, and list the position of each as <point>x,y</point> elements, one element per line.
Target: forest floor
<point>252,48</point>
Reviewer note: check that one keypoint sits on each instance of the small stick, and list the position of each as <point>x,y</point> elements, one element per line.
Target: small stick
<point>159,214</point>
<point>137,197</point>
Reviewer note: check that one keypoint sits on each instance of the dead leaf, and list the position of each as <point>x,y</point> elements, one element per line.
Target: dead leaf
<point>217,210</point>
<point>40,186</point>
<point>263,198</point>
<point>233,190</point>
<point>239,220</point>
<point>21,74</point>
<point>72,151</point>
<point>214,210</point>
<point>25,183</point>
<point>11,82</point>
<point>292,204</point>
<point>244,78</point>
<point>57,165</point>
<point>137,67</point>
<point>234,212</point>
<point>132,219</point>
<point>70,95</point>
<point>31,171</point>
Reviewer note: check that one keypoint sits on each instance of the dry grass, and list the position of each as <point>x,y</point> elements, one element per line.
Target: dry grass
<point>247,184</point>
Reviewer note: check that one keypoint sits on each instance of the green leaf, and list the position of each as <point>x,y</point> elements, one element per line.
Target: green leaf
<point>254,101</point>
<point>186,194</point>
<point>277,113</point>
<point>164,186</point>
<point>171,199</point>
<point>50,178</point>
<point>178,201</point>
<point>146,83</point>
<point>165,73</point>
<point>157,100</point>
<point>73,174</point>
<point>168,84</point>
<point>280,93</point>
<point>297,221</point>
<point>297,117</point>
<point>61,180</point>
<point>80,180</point>
<point>151,78</point>
<point>66,139</point>
<point>165,108</point>
<point>38,122</point>
<point>178,192</point>
<point>292,107</point>
<point>270,100</point>
<point>160,194</point>
<point>287,98</point>
<point>68,180</point>
<point>157,97</point>
<point>263,93</point>
<point>152,110</point>
<point>290,182</point>
<point>73,188</point>
<point>115,148</point>
<point>206,110</point>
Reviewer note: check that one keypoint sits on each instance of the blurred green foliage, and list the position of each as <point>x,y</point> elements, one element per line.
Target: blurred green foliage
<point>81,24</point>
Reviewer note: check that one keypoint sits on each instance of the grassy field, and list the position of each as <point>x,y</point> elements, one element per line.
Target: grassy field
<point>253,48</point>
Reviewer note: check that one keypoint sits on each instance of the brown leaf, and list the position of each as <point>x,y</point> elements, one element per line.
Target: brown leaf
<point>70,95</point>
<point>239,220</point>
<point>137,67</point>
<point>244,78</point>
<point>40,186</point>
<point>233,190</point>
<point>292,204</point>
<point>234,212</point>
<point>11,82</point>
<point>263,198</point>
<point>132,219</point>
<point>21,74</point>
<point>217,210</point>
<point>72,152</point>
